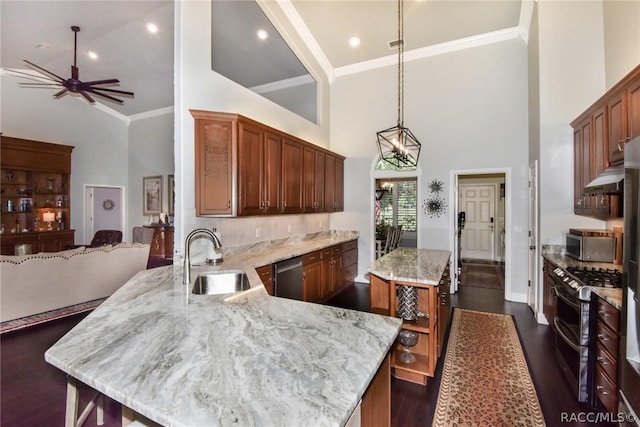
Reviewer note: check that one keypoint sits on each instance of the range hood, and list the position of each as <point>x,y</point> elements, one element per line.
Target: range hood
<point>610,181</point>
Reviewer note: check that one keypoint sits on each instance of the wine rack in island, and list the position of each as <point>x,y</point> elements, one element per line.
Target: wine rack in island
<point>415,363</point>
<point>35,195</point>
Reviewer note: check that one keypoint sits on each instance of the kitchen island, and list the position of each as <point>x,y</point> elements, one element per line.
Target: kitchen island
<point>426,273</point>
<point>244,359</point>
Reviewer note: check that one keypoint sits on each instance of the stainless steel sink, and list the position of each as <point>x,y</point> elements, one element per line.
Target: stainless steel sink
<point>226,282</point>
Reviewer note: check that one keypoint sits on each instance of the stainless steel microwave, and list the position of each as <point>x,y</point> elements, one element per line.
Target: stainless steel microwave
<point>591,248</point>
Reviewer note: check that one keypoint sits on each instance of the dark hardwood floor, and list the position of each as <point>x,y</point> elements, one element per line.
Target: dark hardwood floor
<point>32,392</point>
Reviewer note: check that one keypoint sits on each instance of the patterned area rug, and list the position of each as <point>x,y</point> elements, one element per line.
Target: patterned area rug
<point>481,275</point>
<point>24,322</point>
<point>485,377</point>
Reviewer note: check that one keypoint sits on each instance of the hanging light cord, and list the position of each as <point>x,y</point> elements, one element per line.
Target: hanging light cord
<point>400,63</point>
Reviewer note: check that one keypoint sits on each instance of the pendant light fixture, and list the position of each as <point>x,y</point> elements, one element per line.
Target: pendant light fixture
<point>397,145</point>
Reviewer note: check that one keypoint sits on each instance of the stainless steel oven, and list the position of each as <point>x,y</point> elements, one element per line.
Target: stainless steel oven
<point>575,324</point>
<point>572,334</point>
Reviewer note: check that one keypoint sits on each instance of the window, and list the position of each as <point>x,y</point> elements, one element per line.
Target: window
<point>398,204</point>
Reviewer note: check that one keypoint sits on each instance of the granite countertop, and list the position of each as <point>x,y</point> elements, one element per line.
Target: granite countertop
<point>612,295</point>
<point>565,261</point>
<point>247,359</point>
<point>424,266</point>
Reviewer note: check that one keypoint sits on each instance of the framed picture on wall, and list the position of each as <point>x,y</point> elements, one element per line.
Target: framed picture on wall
<point>172,194</point>
<point>151,195</point>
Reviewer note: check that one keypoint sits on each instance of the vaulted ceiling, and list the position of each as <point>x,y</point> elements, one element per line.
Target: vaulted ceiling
<point>39,31</point>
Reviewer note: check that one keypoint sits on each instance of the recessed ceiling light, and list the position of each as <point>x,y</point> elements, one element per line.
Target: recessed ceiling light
<point>354,41</point>
<point>92,55</point>
<point>152,28</point>
<point>262,34</point>
<point>42,45</point>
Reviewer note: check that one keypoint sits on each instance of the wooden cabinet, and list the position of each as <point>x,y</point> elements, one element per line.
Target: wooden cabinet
<point>582,166</point>
<point>292,177</point>
<point>244,168</point>
<point>434,304</point>
<point>313,188</point>
<point>162,241</point>
<point>606,351</point>
<point>312,276</point>
<point>618,126</point>
<point>214,154</point>
<point>444,310</point>
<point>328,271</point>
<point>426,350</point>
<point>549,302</point>
<point>46,241</point>
<point>348,264</point>
<point>259,155</point>
<point>266,275</point>
<point>333,184</point>
<point>600,134</point>
<point>35,180</point>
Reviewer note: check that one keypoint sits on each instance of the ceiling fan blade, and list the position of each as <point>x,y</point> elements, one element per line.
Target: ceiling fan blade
<point>87,97</point>
<point>121,92</point>
<point>62,92</point>
<point>46,71</point>
<point>102,82</point>
<point>104,95</point>
<point>52,84</point>
<point>40,77</point>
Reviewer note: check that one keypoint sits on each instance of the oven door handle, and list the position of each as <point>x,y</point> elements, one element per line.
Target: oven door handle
<point>557,323</point>
<point>565,299</point>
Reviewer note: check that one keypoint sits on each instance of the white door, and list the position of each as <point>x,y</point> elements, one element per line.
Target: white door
<point>478,202</point>
<point>104,208</point>
<point>532,295</point>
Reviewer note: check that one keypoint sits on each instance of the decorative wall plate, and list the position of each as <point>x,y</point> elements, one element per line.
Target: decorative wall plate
<point>108,204</point>
<point>434,206</point>
<point>436,186</point>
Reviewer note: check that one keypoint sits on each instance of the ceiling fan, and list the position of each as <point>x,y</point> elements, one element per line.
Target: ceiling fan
<point>74,84</point>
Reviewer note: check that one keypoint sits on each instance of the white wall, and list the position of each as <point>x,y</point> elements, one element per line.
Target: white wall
<point>198,87</point>
<point>621,38</point>
<point>100,156</point>
<point>571,61</point>
<point>469,111</point>
<point>150,154</point>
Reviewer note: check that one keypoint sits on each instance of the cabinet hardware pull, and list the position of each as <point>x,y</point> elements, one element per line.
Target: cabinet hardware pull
<point>601,390</point>
<point>284,204</point>
<point>268,204</point>
<point>620,144</point>
<point>602,337</point>
<point>228,204</point>
<point>604,313</point>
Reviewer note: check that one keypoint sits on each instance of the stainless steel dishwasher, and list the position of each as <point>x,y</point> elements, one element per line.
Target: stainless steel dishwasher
<point>288,279</point>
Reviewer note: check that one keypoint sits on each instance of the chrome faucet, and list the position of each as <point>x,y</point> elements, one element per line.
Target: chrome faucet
<point>186,274</point>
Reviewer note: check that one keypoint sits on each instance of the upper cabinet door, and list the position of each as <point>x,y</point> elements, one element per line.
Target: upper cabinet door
<point>250,170</point>
<point>339,182</point>
<point>633,101</point>
<point>272,177</point>
<point>292,176</point>
<point>246,168</point>
<point>213,164</point>
<point>618,128</point>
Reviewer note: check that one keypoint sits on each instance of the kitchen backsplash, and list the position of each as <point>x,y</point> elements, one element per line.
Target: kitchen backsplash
<point>244,231</point>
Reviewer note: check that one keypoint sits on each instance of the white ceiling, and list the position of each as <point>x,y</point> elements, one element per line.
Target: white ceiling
<point>144,62</point>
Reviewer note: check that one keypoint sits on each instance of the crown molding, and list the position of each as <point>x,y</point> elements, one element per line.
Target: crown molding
<point>152,113</point>
<point>283,84</point>
<point>429,51</point>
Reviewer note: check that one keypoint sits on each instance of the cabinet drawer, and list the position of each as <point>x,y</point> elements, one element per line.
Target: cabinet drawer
<point>606,391</point>
<point>608,314</point>
<point>607,361</point>
<point>347,246</point>
<point>607,338</point>
<point>336,250</point>
<point>311,257</point>
<point>325,253</point>
<point>349,257</point>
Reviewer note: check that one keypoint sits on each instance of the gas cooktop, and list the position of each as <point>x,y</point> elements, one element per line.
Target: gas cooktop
<point>597,277</point>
